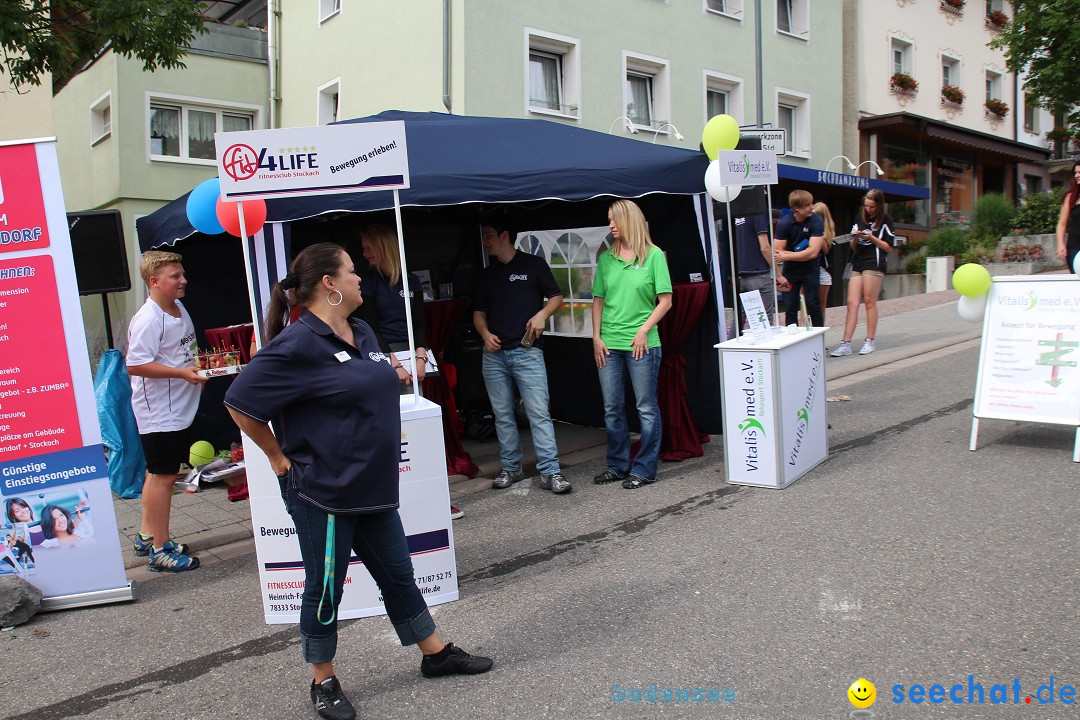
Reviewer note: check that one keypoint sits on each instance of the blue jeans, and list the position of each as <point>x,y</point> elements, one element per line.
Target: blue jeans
<point>808,280</point>
<point>524,366</point>
<point>379,541</point>
<point>643,374</point>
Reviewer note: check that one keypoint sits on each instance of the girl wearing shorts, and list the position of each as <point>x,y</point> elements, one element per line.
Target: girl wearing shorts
<point>825,282</point>
<point>872,239</point>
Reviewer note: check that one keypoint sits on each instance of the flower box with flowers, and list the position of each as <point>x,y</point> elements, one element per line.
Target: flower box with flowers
<point>1058,135</point>
<point>952,95</point>
<point>1022,253</point>
<point>955,7</point>
<point>903,84</point>
<point>997,108</point>
<point>996,20</point>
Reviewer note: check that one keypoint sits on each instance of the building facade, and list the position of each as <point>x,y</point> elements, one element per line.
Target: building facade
<point>651,68</point>
<point>937,107</point>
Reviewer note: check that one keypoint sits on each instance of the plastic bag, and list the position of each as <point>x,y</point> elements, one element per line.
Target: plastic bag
<point>119,433</point>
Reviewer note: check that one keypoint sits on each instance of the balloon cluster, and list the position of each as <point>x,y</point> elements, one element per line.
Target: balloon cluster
<point>972,281</point>
<point>211,215</point>
<point>720,133</point>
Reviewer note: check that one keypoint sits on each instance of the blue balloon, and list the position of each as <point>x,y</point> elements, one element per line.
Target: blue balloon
<point>202,207</point>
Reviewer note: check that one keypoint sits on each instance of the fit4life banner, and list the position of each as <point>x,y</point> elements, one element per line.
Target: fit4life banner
<point>58,528</point>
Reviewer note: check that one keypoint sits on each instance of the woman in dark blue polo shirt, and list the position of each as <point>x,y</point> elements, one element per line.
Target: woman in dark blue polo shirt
<point>323,382</point>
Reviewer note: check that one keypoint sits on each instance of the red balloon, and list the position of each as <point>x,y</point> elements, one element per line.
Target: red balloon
<point>229,216</point>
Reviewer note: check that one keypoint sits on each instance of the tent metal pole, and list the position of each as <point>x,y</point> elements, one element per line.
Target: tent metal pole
<point>734,272</point>
<point>408,295</point>
<point>772,260</point>
<point>250,273</point>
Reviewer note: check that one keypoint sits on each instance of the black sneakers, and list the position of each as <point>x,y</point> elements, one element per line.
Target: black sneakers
<point>330,701</point>
<point>456,662</point>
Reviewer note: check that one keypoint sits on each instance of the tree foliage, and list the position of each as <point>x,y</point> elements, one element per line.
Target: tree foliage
<point>1043,40</point>
<point>38,36</point>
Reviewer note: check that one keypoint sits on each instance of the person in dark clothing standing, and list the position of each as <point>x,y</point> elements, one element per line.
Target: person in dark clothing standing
<point>516,297</point>
<point>1068,227</point>
<point>753,258</point>
<point>800,238</point>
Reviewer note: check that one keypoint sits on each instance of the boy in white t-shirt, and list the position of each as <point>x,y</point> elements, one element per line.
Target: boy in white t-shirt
<point>165,390</point>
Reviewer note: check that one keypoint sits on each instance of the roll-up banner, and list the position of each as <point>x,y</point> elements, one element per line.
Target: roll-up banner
<point>58,529</point>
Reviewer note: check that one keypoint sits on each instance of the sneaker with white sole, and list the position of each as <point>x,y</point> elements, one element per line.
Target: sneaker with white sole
<point>329,700</point>
<point>555,482</point>
<point>166,560</point>
<point>843,349</point>
<point>142,546</point>
<point>456,512</point>
<point>867,347</point>
<point>506,478</point>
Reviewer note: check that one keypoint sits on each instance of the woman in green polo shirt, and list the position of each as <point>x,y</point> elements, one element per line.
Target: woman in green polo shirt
<point>631,292</point>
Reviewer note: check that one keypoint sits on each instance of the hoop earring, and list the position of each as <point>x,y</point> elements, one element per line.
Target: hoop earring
<point>340,298</point>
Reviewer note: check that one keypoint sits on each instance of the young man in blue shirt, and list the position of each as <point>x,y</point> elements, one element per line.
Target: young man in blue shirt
<point>800,238</point>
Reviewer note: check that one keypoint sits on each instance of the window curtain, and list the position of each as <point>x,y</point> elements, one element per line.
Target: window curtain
<point>165,131</point>
<point>544,82</point>
<point>640,93</point>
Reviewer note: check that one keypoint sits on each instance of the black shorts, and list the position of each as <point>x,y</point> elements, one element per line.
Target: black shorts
<point>165,451</point>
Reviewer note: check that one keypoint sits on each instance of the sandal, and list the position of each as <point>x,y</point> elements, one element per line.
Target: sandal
<point>634,482</point>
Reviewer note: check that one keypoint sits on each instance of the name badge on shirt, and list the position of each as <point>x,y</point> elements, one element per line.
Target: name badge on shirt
<point>342,356</point>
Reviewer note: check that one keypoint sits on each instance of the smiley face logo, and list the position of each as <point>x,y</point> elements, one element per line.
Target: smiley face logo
<point>862,693</point>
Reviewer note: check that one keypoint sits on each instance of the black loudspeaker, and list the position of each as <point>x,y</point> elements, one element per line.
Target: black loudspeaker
<point>97,244</point>
<point>751,201</point>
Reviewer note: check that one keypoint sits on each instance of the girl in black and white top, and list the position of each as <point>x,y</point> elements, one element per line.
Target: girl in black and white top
<point>872,240</point>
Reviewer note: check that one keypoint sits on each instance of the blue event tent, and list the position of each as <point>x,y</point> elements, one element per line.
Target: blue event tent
<point>455,159</point>
<point>557,173</point>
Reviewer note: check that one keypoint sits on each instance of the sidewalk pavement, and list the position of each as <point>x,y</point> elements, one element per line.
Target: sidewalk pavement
<point>908,327</point>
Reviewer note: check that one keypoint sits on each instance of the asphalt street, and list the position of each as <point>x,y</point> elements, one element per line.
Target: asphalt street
<point>904,559</point>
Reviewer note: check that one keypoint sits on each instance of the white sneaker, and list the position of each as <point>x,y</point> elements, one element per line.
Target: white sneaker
<point>867,347</point>
<point>843,349</point>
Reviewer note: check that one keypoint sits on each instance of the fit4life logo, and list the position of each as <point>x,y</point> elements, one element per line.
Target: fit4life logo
<point>242,162</point>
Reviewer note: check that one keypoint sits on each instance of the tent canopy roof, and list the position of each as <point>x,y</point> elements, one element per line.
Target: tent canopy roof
<point>455,159</point>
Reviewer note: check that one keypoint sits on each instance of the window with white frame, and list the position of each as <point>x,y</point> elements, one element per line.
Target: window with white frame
<point>328,9</point>
<point>101,118</point>
<point>901,56</point>
<point>793,114</point>
<point>723,95</point>
<point>1031,113</point>
<point>184,130</point>
<point>647,94</point>
<point>552,74</point>
<point>572,256</point>
<point>328,102</point>
<point>731,8</point>
<point>950,71</point>
<point>993,85</point>
<point>793,17</point>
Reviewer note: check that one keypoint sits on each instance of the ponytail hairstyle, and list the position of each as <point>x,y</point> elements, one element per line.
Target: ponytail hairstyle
<point>830,227</point>
<point>384,246</point>
<point>301,283</point>
<point>879,198</point>
<point>633,230</point>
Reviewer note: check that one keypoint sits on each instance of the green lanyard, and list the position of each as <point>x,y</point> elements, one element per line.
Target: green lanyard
<point>328,573</point>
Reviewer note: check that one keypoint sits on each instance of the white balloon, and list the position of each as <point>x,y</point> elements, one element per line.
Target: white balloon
<point>717,190</point>
<point>972,308</point>
<point>1076,264</point>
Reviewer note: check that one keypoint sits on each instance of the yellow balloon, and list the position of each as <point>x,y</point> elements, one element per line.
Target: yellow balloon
<point>971,279</point>
<point>720,133</point>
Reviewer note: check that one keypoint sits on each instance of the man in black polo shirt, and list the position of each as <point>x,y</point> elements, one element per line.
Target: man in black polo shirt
<point>753,260</point>
<point>800,238</point>
<point>517,295</point>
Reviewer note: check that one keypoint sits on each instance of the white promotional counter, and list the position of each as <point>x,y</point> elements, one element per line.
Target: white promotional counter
<point>425,514</point>
<point>774,407</point>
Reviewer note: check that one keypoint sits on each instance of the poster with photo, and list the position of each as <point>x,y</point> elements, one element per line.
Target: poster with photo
<point>58,528</point>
